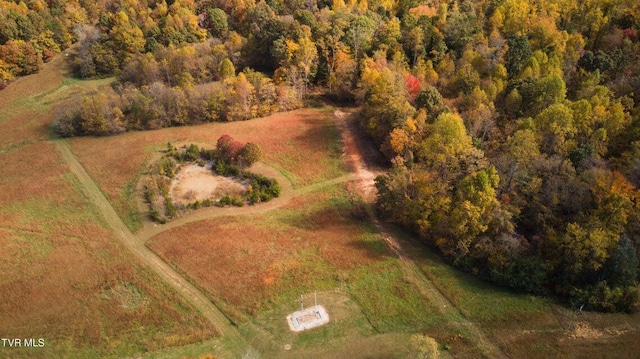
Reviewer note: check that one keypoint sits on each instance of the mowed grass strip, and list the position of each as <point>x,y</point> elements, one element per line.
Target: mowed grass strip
<point>259,264</point>
<point>65,278</point>
<point>304,145</point>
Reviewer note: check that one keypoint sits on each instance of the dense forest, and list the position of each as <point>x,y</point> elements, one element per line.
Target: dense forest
<point>512,128</point>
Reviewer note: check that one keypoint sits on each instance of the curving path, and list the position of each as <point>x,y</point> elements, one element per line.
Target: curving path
<point>222,324</point>
<point>225,327</point>
<point>136,242</point>
<point>412,272</point>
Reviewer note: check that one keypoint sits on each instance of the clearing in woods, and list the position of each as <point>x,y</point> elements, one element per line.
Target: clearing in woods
<point>68,217</point>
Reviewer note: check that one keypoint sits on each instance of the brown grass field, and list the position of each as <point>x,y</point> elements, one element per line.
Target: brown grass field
<point>65,278</point>
<point>303,144</point>
<point>257,264</point>
<point>249,260</point>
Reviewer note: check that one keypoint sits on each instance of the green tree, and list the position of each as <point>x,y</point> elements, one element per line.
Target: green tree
<point>249,154</point>
<point>555,128</point>
<point>226,70</point>
<point>518,53</point>
<point>217,22</point>
<point>359,34</point>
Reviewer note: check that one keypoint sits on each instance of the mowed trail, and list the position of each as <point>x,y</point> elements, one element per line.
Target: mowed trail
<point>412,272</point>
<point>222,324</point>
<point>136,242</point>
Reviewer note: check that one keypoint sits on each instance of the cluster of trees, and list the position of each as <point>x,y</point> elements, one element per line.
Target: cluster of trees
<point>513,133</point>
<point>248,95</point>
<point>32,32</point>
<point>230,158</point>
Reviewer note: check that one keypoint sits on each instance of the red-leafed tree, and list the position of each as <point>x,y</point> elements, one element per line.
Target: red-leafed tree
<point>412,85</point>
<point>228,148</point>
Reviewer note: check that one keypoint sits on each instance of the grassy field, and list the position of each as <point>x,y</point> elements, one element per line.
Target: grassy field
<point>66,280</point>
<point>304,145</point>
<point>259,265</point>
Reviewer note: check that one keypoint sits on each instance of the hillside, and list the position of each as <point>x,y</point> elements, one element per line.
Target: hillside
<point>406,139</point>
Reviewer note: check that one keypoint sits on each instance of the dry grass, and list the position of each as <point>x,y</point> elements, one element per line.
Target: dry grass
<point>250,261</point>
<point>65,278</point>
<point>257,266</point>
<point>303,144</point>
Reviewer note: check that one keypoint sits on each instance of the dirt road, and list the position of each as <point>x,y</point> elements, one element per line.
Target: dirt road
<point>136,242</point>
<point>357,156</point>
<point>222,324</point>
<point>362,173</point>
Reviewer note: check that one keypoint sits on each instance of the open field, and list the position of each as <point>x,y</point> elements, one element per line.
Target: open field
<point>66,280</point>
<point>257,264</point>
<point>304,145</point>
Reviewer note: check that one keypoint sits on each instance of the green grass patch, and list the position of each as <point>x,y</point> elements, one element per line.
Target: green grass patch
<point>391,302</point>
<point>127,207</point>
<point>269,332</point>
<point>476,299</point>
<point>15,147</point>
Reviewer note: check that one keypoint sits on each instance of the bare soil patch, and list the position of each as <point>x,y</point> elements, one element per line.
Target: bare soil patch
<point>363,159</point>
<point>195,183</point>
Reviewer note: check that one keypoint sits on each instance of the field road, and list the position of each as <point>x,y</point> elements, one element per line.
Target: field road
<point>411,271</point>
<point>365,186</point>
<point>222,324</point>
<point>136,242</point>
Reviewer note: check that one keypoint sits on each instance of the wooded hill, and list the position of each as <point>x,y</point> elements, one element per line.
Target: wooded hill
<point>512,128</point>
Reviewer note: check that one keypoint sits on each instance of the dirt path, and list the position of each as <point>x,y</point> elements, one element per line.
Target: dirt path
<point>136,242</point>
<point>360,161</point>
<point>359,158</point>
<point>151,229</point>
<point>222,324</point>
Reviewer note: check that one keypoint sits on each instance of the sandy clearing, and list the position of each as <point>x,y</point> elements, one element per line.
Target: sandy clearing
<point>195,183</point>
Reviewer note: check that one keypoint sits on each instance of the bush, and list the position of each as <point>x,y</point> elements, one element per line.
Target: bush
<point>191,154</point>
<point>604,298</point>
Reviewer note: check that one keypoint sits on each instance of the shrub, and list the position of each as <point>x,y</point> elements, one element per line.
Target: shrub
<point>604,298</point>
<point>192,153</point>
<point>249,154</point>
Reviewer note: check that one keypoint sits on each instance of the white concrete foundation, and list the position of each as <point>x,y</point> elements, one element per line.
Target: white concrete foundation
<point>308,318</point>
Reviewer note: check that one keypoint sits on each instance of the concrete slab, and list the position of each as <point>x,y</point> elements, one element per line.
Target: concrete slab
<point>308,318</point>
